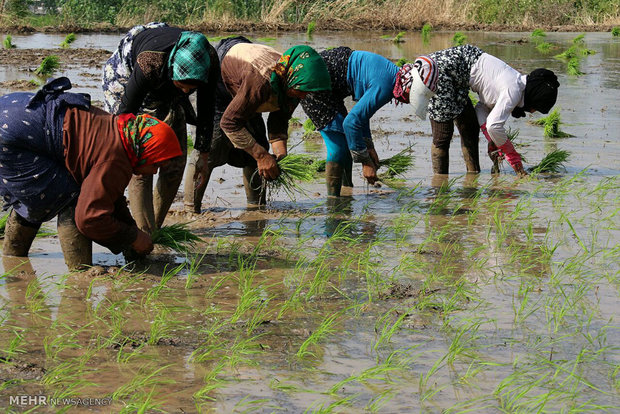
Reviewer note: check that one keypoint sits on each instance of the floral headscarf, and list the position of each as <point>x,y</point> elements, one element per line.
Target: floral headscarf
<point>301,68</point>
<point>147,140</point>
<point>189,58</point>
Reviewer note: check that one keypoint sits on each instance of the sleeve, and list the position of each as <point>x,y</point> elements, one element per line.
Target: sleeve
<point>357,123</point>
<point>101,212</point>
<point>500,113</point>
<point>277,125</point>
<point>135,91</point>
<point>205,105</point>
<point>253,92</point>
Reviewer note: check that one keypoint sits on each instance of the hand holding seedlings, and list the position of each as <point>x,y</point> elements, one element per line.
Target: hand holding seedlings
<point>143,243</point>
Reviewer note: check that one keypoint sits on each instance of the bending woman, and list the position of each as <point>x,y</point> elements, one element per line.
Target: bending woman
<point>502,91</point>
<point>372,81</point>
<point>62,157</point>
<point>153,71</point>
<point>261,79</point>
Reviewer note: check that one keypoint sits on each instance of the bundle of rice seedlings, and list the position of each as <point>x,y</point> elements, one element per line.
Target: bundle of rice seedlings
<point>552,125</point>
<point>397,164</point>
<point>538,35</point>
<point>615,32</point>
<point>310,29</point>
<point>8,42</point>
<point>318,165</point>
<point>309,128</point>
<point>399,37</point>
<point>544,47</point>
<point>176,237</point>
<point>551,163</point>
<point>70,38</point>
<point>426,32</point>
<point>573,67</point>
<point>48,66</point>
<point>459,39</point>
<point>293,168</point>
<point>473,98</point>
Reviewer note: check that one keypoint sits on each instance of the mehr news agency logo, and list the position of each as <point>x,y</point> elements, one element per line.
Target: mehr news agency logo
<point>30,400</point>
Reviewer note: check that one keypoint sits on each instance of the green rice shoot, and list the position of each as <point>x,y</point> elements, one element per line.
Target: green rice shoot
<point>426,32</point>
<point>544,47</point>
<point>573,67</point>
<point>8,42</point>
<point>70,38</point>
<point>473,97</point>
<point>294,168</point>
<point>538,36</point>
<point>319,165</point>
<point>615,32</point>
<point>401,62</point>
<point>176,236</point>
<point>48,66</point>
<point>311,28</point>
<point>309,128</point>
<point>399,37</point>
<point>459,39</point>
<point>551,163</point>
<point>397,164</point>
<point>552,124</point>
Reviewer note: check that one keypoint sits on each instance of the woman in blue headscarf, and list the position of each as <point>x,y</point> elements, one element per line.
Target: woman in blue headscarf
<point>153,71</point>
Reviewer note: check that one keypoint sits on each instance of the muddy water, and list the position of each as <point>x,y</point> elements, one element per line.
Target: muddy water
<point>448,293</point>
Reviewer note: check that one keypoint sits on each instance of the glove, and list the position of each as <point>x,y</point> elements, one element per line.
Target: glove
<point>512,156</point>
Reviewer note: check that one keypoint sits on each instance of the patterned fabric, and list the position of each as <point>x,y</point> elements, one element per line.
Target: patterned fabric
<point>189,59</point>
<point>454,65</point>
<point>301,68</point>
<point>322,107</point>
<point>147,140</point>
<point>427,68</point>
<point>404,80</point>
<point>33,177</point>
<point>118,68</point>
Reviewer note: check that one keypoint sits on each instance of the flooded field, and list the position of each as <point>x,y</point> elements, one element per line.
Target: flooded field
<point>461,293</point>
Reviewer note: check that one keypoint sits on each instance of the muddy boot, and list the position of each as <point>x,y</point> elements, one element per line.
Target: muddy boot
<point>255,190</point>
<point>77,248</point>
<point>440,159</point>
<point>192,194</point>
<point>347,174</point>
<point>333,178</point>
<point>167,187</point>
<point>18,235</point>
<point>140,193</point>
<point>467,124</point>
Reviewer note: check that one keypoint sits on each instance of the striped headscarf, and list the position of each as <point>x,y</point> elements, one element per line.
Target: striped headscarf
<point>147,140</point>
<point>426,69</point>
<point>301,68</point>
<point>189,58</point>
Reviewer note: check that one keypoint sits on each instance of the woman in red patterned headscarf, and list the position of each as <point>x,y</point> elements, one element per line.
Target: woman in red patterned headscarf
<point>62,157</point>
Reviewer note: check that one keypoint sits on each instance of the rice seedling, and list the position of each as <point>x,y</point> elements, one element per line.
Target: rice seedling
<point>553,162</point>
<point>293,168</point>
<point>473,97</point>
<point>142,380</point>
<point>318,165</point>
<point>544,47</point>
<point>48,66</point>
<point>310,29</point>
<point>323,330</point>
<point>397,164</point>
<point>399,37</point>
<point>552,124</point>
<point>309,128</point>
<point>7,43</point>
<point>459,39</point>
<point>13,348</point>
<point>400,62</point>
<point>573,67</point>
<point>70,38</point>
<point>538,36</point>
<point>426,32</point>
<point>615,32</point>
<point>175,236</point>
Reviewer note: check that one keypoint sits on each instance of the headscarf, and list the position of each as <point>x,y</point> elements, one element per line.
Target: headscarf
<point>427,70</point>
<point>147,140</point>
<point>301,68</point>
<point>189,58</point>
<point>541,90</point>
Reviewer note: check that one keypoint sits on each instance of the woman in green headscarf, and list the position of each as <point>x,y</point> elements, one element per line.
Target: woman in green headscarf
<point>261,79</point>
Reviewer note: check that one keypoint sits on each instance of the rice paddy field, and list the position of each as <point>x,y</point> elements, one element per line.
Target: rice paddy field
<point>436,294</point>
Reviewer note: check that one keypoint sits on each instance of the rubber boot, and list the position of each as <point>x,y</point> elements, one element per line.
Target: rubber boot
<point>347,173</point>
<point>77,248</point>
<point>333,178</point>
<point>192,194</point>
<point>467,124</point>
<point>18,235</point>
<point>440,159</point>
<point>255,190</point>
<point>140,193</point>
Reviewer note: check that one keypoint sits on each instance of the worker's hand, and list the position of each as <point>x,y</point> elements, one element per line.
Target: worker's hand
<point>374,157</point>
<point>493,151</point>
<point>519,170</point>
<point>268,166</point>
<point>370,172</point>
<point>513,158</point>
<point>279,149</point>
<point>202,173</point>
<point>143,243</point>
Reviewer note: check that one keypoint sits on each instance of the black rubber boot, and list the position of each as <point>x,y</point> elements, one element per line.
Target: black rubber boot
<point>77,248</point>
<point>18,235</point>
<point>347,174</point>
<point>255,190</point>
<point>333,178</point>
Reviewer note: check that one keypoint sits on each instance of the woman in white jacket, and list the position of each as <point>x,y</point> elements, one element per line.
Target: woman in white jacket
<point>502,91</point>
